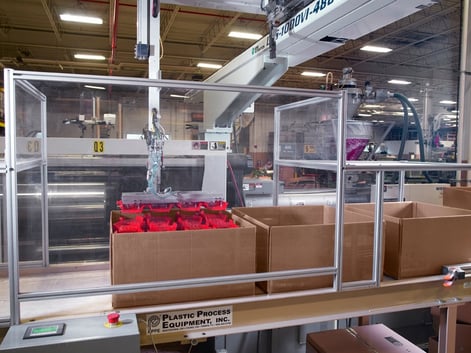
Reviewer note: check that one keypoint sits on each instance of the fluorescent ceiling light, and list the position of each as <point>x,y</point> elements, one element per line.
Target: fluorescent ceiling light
<point>81,19</point>
<point>413,100</point>
<point>245,35</point>
<point>371,106</point>
<point>375,49</point>
<point>209,66</point>
<point>364,114</point>
<point>178,96</point>
<point>401,113</point>
<point>95,87</point>
<point>399,82</point>
<point>447,102</point>
<point>89,57</point>
<point>313,74</point>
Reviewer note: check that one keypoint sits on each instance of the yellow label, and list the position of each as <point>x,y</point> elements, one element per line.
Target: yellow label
<point>98,146</point>
<point>33,146</point>
<point>309,149</point>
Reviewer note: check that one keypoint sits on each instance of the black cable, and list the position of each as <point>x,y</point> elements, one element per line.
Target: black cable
<point>405,130</point>
<point>420,136</point>
<point>236,186</point>
<point>155,8</point>
<point>272,42</point>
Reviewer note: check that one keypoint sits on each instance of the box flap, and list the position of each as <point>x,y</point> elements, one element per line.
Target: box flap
<point>282,215</point>
<point>361,339</point>
<point>385,340</point>
<point>457,197</point>
<point>392,211</point>
<point>424,210</point>
<point>336,341</point>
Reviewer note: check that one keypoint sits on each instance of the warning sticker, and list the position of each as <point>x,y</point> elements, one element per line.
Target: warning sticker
<point>189,319</point>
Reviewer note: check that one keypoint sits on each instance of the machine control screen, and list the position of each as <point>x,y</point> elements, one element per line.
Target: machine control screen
<point>44,330</point>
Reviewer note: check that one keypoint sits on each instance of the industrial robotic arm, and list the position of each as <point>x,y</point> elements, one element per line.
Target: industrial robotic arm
<point>155,138</point>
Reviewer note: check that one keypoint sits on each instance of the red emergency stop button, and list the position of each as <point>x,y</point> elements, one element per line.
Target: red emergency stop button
<point>113,319</point>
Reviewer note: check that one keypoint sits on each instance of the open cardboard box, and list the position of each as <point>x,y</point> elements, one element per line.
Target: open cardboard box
<point>459,197</point>
<point>300,237</point>
<point>361,339</point>
<point>172,255</point>
<point>422,237</point>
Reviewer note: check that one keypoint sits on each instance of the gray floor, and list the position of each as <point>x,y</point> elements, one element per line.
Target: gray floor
<point>38,281</point>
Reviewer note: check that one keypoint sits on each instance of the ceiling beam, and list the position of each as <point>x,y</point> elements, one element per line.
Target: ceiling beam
<point>52,18</point>
<point>409,23</point>
<point>217,29</point>
<point>168,23</point>
<point>4,25</point>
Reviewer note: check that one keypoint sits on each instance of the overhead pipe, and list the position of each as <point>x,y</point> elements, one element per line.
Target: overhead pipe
<point>114,35</point>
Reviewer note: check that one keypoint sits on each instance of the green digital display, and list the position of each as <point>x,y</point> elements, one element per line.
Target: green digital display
<point>44,330</point>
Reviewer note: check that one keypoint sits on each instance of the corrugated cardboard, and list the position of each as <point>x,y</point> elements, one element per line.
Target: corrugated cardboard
<point>291,238</point>
<point>462,342</point>
<point>459,197</point>
<point>160,256</point>
<point>421,237</point>
<point>361,339</point>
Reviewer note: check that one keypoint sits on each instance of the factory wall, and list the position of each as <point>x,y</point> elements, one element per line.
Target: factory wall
<point>181,121</point>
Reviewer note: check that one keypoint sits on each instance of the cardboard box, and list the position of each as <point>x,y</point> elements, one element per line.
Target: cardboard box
<point>459,197</point>
<point>361,339</point>
<point>299,237</point>
<point>422,237</point>
<point>462,342</point>
<point>172,255</point>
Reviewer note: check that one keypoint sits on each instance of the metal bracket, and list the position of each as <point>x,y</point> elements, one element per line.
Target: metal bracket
<point>454,272</point>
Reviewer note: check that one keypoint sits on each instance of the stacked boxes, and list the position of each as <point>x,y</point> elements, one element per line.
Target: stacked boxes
<point>421,237</point>
<point>173,255</point>
<point>300,237</point>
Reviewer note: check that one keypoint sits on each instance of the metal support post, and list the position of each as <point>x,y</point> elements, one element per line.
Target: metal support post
<point>402,181</point>
<point>44,185</point>
<point>464,119</point>
<point>447,330</point>
<point>378,229</point>
<point>11,199</point>
<point>154,57</point>
<point>340,196</point>
<point>427,132</point>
